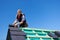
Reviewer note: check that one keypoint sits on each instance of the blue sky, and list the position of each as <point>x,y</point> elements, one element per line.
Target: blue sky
<point>43,14</point>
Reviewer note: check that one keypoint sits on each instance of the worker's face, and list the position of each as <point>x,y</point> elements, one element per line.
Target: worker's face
<point>19,12</point>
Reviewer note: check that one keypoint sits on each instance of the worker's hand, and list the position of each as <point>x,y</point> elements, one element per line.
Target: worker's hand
<point>16,24</point>
<point>21,22</point>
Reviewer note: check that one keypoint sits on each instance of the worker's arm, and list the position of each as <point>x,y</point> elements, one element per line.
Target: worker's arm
<point>15,21</point>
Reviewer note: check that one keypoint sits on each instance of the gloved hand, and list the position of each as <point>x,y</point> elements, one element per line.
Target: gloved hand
<point>17,23</point>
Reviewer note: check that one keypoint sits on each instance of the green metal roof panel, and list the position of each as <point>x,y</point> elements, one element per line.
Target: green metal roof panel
<point>30,34</point>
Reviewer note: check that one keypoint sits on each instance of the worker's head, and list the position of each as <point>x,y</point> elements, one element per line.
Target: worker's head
<point>19,11</point>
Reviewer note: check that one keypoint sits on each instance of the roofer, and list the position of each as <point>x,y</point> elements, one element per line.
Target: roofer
<point>20,19</point>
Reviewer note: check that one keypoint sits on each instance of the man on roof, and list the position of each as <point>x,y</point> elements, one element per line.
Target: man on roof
<point>20,19</point>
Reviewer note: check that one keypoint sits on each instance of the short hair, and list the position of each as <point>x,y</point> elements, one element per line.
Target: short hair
<point>19,10</point>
